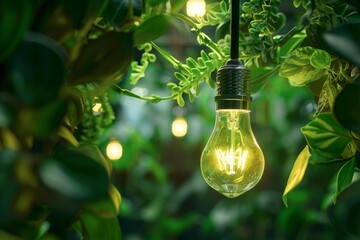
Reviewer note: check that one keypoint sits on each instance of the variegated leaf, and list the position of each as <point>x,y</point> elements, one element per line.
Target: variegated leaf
<point>325,135</point>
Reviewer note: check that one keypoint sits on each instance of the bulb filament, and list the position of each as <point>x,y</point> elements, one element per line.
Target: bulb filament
<point>231,161</point>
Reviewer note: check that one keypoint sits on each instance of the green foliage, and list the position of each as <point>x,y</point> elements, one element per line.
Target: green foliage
<point>304,66</point>
<point>297,172</point>
<point>348,116</point>
<point>59,62</point>
<point>324,135</point>
<point>18,21</point>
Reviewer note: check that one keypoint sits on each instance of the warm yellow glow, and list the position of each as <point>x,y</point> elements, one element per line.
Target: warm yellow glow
<point>97,108</point>
<point>195,8</point>
<point>179,127</point>
<point>114,150</point>
<point>232,161</point>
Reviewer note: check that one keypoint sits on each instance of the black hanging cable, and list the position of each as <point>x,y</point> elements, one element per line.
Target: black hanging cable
<point>232,79</point>
<point>234,29</point>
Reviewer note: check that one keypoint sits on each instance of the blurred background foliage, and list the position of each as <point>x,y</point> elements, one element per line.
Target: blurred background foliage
<point>75,76</point>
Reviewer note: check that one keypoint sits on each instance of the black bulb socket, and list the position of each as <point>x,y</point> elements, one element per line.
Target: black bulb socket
<point>233,86</point>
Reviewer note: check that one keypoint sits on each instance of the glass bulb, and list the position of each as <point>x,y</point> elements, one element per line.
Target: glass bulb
<point>196,8</point>
<point>232,161</point>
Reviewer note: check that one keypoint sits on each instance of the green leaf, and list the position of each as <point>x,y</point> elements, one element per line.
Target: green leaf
<point>44,121</point>
<point>344,215</point>
<point>180,100</point>
<point>346,107</point>
<point>320,59</point>
<point>327,137</point>
<point>37,70</point>
<point>344,40</point>
<point>108,207</point>
<point>297,172</point>
<point>298,69</point>
<point>96,227</point>
<point>177,5</point>
<point>66,134</point>
<point>117,12</point>
<point>75,107</point>
<point>146,31</point>
<point>344,177</point>
<point>155,2</point>
<point>15,21</point>
<point>8,110</point>
<point>75,175</point>
<point>103,59</point>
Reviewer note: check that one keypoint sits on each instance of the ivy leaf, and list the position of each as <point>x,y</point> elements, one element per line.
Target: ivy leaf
<point>298,69</point>
<point>146,31</point>
<point>320,59</point>
<point>297,172</point>
<point>327,137</point>
<point>344,177</point>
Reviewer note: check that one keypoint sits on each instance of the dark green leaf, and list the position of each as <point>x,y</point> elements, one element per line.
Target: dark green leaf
<point>344,40</point>
<point>344,177</point>
<point>326,136</point>
<point>346,107</point>
<point>117,11</point>
<point>8,110</point>
<point>8,188</point>
<point>75,108</point>
<point>37,71</point>
<point>75,175</point>
<point>76,10</point>
<point>345,214</point>
<point>103,59</point>
<point>146,31</point>
<point>15,18</point>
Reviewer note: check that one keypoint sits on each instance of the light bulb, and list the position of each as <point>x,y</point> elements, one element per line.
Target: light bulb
<point>232,161</point>
<point>195,8</point>
<point>179,127</point>
<point>114,150</point>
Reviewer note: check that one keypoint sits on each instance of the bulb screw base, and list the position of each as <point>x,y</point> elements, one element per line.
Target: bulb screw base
<point>233,80</point>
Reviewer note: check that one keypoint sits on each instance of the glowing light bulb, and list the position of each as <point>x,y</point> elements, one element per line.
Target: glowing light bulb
<point>195,8</point>
<point>232,161</point>
<point>114,150</point>
<point>179,127</point>
<point>97,109</point>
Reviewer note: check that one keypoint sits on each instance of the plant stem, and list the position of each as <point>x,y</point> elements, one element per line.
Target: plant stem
<point>129,93</point>
<point>205,39</point>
